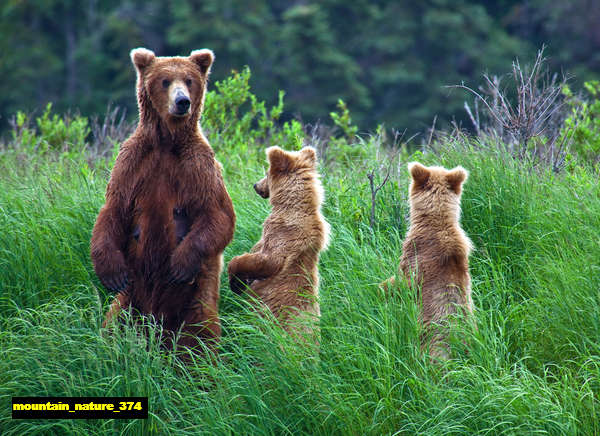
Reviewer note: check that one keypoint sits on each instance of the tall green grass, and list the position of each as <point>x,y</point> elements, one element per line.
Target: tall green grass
<point>532,367</point>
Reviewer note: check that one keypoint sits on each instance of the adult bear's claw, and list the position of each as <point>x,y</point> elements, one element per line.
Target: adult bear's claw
<point>116,284</point>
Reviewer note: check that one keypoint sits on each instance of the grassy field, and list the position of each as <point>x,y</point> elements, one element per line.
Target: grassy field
<point>533,366</point>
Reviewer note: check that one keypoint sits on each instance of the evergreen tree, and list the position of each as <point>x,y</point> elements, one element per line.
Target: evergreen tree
<point>390,61</point>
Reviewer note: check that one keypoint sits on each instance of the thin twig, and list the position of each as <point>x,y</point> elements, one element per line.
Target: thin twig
<point>431,131</point>
<point>371,176</point>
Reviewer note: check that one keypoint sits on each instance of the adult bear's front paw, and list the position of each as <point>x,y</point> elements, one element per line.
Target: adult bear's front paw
<point>116,280</point>
<point>183,269</point>
<point>110,268</point>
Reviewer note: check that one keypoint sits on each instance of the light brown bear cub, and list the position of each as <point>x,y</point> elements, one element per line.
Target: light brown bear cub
<point>282,268</point>
<point>435,252</point>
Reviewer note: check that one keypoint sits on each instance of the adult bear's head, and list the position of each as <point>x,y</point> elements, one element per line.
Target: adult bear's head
<point>172,88</point>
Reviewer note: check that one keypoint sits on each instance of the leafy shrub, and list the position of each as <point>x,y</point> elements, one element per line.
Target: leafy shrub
<point>52,132</point>
<point>344,147</point>
<point>237,122</point>
<point>343,120</point>
<point>584,122</point>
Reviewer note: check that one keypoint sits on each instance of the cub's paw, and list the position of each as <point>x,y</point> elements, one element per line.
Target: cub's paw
<point>238,284</point>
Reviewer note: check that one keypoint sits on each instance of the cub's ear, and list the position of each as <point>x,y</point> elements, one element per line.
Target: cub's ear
<point>456,177</point>
<point>203,58</point>
<point>141,58</point>
<point>419,173</point>
<point>279,160</point>
<point>309,155</point>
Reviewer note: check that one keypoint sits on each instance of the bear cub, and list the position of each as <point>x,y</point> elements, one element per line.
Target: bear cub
<point>282,268</point>
<point>435,252</point>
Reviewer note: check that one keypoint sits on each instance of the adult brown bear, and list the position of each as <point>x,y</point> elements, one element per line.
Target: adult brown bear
<point>159,239</point>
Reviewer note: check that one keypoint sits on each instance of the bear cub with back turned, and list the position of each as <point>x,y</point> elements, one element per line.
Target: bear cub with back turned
<point>435,252</point>
<point>282,268</point>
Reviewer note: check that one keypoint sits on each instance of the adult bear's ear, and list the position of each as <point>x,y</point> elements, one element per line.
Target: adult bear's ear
<point>279,160</point>
<point>142,58</point>
<point>419,173</point>
<point>309,155</point>
<point>456,177</point>
<point>203,58</point>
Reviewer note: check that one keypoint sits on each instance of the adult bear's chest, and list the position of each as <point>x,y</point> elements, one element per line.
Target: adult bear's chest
<point>161,207</point>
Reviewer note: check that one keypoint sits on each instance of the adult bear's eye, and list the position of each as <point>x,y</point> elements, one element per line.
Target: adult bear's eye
<point>166,83</point>
<point>188,82</point>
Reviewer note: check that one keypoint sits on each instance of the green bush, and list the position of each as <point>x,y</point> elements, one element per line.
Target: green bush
<point>583,124</point>
<point>237,122</point>
<point>52,132</point>
<point>344,147</point>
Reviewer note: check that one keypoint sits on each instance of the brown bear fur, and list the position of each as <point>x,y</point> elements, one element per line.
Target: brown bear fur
<point>435,252</point>
<point>159,238</point>
<point>282,268</point>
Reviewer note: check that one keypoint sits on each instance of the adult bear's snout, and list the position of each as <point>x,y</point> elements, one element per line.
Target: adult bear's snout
<point>182,103</point>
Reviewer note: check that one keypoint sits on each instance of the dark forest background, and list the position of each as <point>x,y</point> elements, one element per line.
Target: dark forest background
<point>388,60</point>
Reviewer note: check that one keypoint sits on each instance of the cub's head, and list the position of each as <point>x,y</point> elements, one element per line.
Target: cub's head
<point>172,87</point>
<point>435,191</point>
<point>289,175</point>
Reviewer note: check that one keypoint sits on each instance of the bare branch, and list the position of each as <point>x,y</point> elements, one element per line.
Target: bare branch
<point>531,124</point>
<point>371,175</point>
<point>472,118</point>
<point>430,132</point>
<point>471,90</point>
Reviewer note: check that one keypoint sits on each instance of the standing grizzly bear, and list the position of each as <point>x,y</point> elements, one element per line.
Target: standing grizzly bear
<point>435,252</point>
<point>159,238</point>
<point>282,268</point>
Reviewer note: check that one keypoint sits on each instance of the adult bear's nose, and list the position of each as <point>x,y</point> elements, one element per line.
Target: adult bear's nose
<point>182,103</point>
